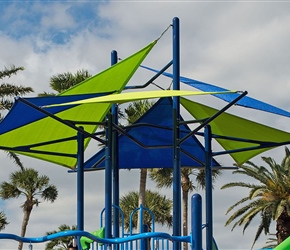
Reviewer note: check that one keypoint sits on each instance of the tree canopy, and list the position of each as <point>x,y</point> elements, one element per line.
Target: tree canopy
<point>33,187</point>
<point>268,197</point>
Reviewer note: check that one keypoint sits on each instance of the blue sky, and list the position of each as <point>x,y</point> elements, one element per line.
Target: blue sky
<point>241,45</point>
<point>41,19</point>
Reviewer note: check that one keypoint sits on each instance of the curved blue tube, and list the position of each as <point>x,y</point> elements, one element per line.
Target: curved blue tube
<point>99,240</point>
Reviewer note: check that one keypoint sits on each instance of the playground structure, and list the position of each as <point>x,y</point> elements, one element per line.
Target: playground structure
<point>93,100</point>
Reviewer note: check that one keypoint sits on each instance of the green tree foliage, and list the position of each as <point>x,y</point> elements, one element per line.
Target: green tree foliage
<point>34,187</point>
<point>157,203</point>
<point>60,243</point>
<point>3,221</point>
<point>136,109</point>
<point>7,92</point>
<point>164,178</point>
<point>268,197</point>
<point>63,81</point>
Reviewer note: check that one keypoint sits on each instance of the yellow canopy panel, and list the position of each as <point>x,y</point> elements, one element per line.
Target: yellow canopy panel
<point>134,96</point>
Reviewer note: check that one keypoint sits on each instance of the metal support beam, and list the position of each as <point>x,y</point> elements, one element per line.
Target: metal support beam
<point>208,187</point>
<point>108,179</point>
<point>80,181</point>
<point>176,137</point>
<point>115,163</point>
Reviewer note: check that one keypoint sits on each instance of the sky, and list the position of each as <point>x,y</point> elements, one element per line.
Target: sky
<point>239,45</point>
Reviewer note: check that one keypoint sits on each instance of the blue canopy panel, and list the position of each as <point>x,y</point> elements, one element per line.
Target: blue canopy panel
<point>158,135</point>
<point>21,115</point>
<point>245,101</point>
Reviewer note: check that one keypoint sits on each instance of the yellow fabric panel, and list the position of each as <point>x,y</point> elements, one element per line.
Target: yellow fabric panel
<point>134,96</point>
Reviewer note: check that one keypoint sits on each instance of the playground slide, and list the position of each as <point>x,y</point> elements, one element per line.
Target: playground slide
<point>86,242</point>
<point>285,245</point>
<point>214,245</point>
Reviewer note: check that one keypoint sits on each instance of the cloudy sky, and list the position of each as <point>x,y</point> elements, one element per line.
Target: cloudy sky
<point>241,45</point>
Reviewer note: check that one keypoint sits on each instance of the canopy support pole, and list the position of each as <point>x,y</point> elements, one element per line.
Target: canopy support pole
<point>208,187</point>
<point>108,178</point>
<point>196,222</point>
<point>115,163</point>
<point>176,137</point>
<point>80,182</point>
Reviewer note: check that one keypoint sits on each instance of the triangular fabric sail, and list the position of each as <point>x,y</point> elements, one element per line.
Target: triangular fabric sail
<point>113,78</point>
<point>246,101</point>
<point>26,129</point>
<point>135,96</point>
<point>46,129</point>
<point>234,126</point>
<point>133,155</point>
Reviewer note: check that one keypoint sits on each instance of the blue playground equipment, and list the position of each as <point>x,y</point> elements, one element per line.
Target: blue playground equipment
<point>178,145</point>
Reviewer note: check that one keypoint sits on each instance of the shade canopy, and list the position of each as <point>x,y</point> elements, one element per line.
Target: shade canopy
<point>135,96</point>
<point>246,101</point>
<point>149,145</point>
<point>40,136</point>
<point>235,133</point>
<point>49,133</point>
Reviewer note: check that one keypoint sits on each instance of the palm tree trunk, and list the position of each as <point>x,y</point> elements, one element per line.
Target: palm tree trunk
<point>142,191</point>
<point>184,210</point>
<point>27,211</point>
<point>283,226</point>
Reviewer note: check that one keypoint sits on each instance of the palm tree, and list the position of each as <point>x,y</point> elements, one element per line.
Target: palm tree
<point>133,112</point>
<point>60,243</point>
<point>33,187</point>
<point>164,178</point>
<point>268,196</point>
<point>7,93</point>
<point>3,220</point>
<point>63,81</point>
<point>157,203</point>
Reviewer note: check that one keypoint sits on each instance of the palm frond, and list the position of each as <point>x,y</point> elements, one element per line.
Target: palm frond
<point>8,72</point>
<point>270,197</point>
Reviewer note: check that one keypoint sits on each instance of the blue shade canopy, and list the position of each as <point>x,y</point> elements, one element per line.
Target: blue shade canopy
<point>26,115</point>
<point>245,101</point>
<point>154,130</point>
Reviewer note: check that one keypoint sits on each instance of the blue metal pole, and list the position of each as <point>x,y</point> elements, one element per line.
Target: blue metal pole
<point>176,137</point>
<point>196,222</point>
<point>115,163</point>
<point>145,242</point>
<point>141,218</point>
<point>208,188</point>
<point>142,245</point>
<point>80,182</point>
<point>108,178</point>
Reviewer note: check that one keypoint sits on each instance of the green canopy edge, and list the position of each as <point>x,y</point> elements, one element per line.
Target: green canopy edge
<point>234,126</point>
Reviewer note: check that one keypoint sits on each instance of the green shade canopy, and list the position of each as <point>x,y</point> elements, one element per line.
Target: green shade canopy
<point>37,134</point>
<point>226,125</point>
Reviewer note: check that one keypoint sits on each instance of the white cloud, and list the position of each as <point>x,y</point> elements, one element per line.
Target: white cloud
<point>56,17</point>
